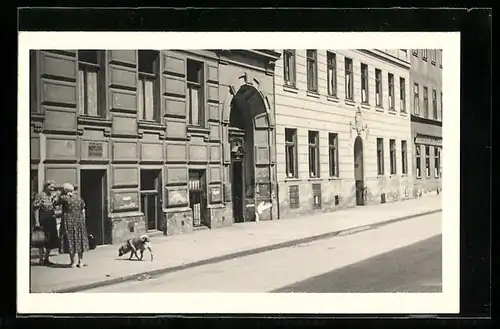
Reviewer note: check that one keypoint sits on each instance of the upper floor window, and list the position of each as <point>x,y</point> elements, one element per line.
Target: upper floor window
<point>291,152</point>
<point>90,86</point>
<point>333,154</point>
<point>313,141</point>
<point>426,102</point>
<point>441,106</point>
<point>289,67</point>
<point>33,82</point>
<point>441,58</point>
<point>195,97</point>
<point>364,83</point>
<point>416,99</point>
<point>312,70</point>
<point>437,162</point>
<point>349,91</point>
<point>424,54</point>
<point>418,159</point>
<point>148,86</point>
<point>415,52</point>
<point>427,161</point>
<point>331,67</point>
<point>404,158</point>
<point>390,79</point>
<point>392,150</point>
<point>402,95</point>
<point>433,56</point>
<point>434,104</point>
<point>378,87</point>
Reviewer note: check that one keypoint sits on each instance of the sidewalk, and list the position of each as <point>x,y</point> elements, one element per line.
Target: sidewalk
<point>208,246</point>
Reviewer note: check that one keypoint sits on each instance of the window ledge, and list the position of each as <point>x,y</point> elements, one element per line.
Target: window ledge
<point>290,89</point>
<point>365,106</point>
<point>350,102</point>
<point>392,111</point>
<point>90,120</point>
<point>292,179</point>
<point>403,114</point>
<point>380,176</point>
<point>334,178</point>
<point>332,98</point>
<point>311,93</point>
<point>379,108</point>
<point>315,179</point>
<point>151,125</point>
<point>404,175</point>
<point>198,129</point>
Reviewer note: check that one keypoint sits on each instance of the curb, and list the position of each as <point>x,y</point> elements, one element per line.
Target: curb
<point>239,254</point>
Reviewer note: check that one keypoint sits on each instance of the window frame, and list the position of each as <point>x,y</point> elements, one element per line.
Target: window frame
<point>426,102</point>
<point>333,152</point>
<point>437,162</point>
<point>392,155</point>
<point>380,157</point>
<point>349,72</point>
<point>291,66</point>
<point>379,102</point>
<point>404,157</point>
<point>331,66</point>
<point>312,74</point>
<point>391,97</point>
<point>424,55</point>
<point>294,162</point>
<point>418,161</point>
<point>433,56</point>
<point>200,85</point>
<point>427,154</point>
<point>434,104</point>
<point>85,66</point>
<point>154,78</point>
<point>402,94</point>
<point>365,71</point>
<point>416,99</point>
<point>313,146</point>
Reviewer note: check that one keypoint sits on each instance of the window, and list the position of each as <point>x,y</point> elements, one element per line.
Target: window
<point>426,102</point>
<point>33,82</point>
<point>291,152</point>
<point>331,66</point>
<point>418,154</point>
<point>195,93</point>
<point>380,156</point>
<point>313,137</point>
<point>289,67</point>
<point>89,76</point>
<point>392,153</point>
<point>404,158</point>
<point>349,92</point>
<point>316,189</point>
<point>415,52</point>
<point>441,58</point>
<point>434,104</point>
<point>437,162</point>
<point>312,70</point>
<point>147,89</point>
<point>416,99</point>
<point>424,54</point>
<point>441,106</point>
<point>402,95</point>
<point>427,161</point>
<point>433,56</point>
<point>333,154</point>
<point>293,196</point>
<point>378,87</point>
<point>364,83</point>
<point>391,91</point>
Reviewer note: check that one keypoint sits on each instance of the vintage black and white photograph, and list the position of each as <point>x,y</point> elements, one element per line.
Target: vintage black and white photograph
<point>282,174</point>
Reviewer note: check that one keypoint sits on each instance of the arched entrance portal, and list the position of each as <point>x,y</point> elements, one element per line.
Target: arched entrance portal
<point>359,171</point>
<point>249,136</point>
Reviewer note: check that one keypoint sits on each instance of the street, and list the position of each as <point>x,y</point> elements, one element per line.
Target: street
<point>400,257</point>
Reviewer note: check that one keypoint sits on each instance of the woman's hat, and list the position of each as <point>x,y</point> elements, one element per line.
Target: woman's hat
<point>48,182</point>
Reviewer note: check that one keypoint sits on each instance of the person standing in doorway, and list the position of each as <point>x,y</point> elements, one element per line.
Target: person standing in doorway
<point>73,231</point>
<point>44,204</point>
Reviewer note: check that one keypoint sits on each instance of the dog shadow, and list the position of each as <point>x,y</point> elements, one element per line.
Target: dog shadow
<point>130,260</point>
<point>54,265</point>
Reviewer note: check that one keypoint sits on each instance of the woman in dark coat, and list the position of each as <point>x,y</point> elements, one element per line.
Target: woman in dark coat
<point>44,204</point>
<point>73,231</point>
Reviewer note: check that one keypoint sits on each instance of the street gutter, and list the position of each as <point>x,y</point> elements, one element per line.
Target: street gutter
<point>244,253</point>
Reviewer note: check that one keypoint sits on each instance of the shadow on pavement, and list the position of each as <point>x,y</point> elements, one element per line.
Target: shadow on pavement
<point>414,268</point>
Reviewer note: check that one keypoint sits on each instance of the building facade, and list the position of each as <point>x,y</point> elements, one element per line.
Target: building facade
<point>426,119</point>
<point>161,141</point>
<point>343,135</point>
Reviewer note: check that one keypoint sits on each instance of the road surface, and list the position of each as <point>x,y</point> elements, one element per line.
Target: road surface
<point>400,257</point>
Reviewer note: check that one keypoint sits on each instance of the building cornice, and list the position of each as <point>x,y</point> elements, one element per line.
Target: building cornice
<point>418,119</point>
<point>387,57</point>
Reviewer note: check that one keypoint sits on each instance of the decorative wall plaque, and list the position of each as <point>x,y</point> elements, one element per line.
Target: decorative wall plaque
<point>215,194</point>
<point>95,149</point>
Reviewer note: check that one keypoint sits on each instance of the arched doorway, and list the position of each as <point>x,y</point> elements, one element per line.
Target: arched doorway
<point>248,133</point>
<point>359,171</point>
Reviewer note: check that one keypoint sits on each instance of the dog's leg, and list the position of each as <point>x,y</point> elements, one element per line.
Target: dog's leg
<point>150,252</point>
<point>142,253</point>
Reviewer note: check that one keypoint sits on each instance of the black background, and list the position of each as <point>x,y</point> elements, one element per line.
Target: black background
<point>475,26</point>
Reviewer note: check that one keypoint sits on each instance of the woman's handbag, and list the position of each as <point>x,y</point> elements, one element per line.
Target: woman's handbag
<point>38,237</point>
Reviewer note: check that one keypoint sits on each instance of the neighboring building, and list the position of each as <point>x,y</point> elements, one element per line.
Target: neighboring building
<point>342,129</point>
<point>426,118</point>
<point>156,140</point>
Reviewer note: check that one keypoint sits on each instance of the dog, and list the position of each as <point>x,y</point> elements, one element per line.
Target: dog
<point>134,245</point>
